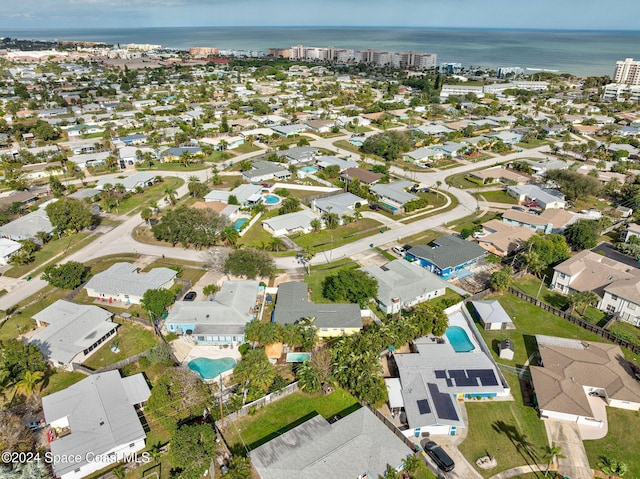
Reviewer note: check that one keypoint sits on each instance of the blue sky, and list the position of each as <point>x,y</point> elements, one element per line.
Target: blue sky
<point>552,14</point>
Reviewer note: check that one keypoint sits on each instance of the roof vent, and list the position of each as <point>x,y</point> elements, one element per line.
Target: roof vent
<point>102,423</point>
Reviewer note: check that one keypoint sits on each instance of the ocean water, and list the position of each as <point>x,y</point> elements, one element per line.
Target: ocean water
<point>578,52</point>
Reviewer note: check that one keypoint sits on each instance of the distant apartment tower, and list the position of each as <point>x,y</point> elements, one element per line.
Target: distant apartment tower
<point>323,54</point>
<point>203,51</point>
<point>451,68</point>
<point>417,60</point>
<point>279,52</point>
<point>509,72</point>
<point>627,72</point>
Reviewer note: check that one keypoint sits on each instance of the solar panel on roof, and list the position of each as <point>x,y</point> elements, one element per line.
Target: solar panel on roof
<point>449,382</point>
<point>440,373</point>
<point>457,373</point>
<point>423,406</point>
<point>443,403</point>
<point>487,376</point>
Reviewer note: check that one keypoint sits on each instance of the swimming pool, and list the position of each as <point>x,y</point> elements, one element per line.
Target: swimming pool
<point>309,169</point>
<point>391,207</point>
<point>237,224</point>
<point>211,368</point>
<point>298,357</point>
<point>271,199</point>
<point>459,340</point>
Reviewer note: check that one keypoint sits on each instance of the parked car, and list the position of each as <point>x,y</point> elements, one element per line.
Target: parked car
<point>374,206</point>
<point>35,425</point>
<point>398,250</point>
<point>439,456</point>
<point>190,296</point>
<point>532,204</point>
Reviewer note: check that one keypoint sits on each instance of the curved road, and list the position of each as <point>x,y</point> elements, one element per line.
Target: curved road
<point>120,240</point>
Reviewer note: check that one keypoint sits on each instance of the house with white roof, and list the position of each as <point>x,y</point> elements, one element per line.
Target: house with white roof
<point>246,194</point>
<point>402,284</point>
<point>142,179</point>
<point>27,226</point>
<point>7,248</point>
<point>221,321</point>
<point>95,423</point>
<point>262,171</point>
<point>124,283</point>
<point>72,332</point>
<point>492,315</point>
<point>546,198</point>
<point>342,163</point>
<point>340,204</point>
<point>422,155</point>
<point>283,225</point>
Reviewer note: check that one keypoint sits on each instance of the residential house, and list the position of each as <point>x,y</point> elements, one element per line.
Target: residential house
<point>447,255</point>
<point>221,321</point>
<point>341,204</point>
<point>230,211</point>
<point>498,173</point>
<point>402,285</point>
<point>122,282</point>
<point>300,154</point>
<point>320,126</point>
<point>423,155</point>
<point>440,374</point>
<point>246,194</point>
<point>622,298</point>
<point>365,177</point>
<point>224,142</point>
<point>95,423</point>
<point>289,130</point>
<point>283,225</point>
<point>449,148</point>
<point>27,226</point>
<point>356,446</point>
<point>142,179</point>
<point>540,167</point>
<point>589,271</point>
<point>434,130</point>
<point>331,319</point>
<point>509,137</point>
<point>576,377</point>
<point>633,229</point>
<point>501,238</point>
<point>37,171</point>
<point>262,171</point>
<point>324,161</point>
<point>72,332</point>
<point>393,196</point>
<point>176,153</point>
<point>7,248</point>
<point>133,139</point>
<point>25,198</point>
<point>549,221</point>
<point>492,315</point>
<point>546,198</point>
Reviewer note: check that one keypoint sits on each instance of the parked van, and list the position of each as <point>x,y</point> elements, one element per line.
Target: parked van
<point>398,250</point>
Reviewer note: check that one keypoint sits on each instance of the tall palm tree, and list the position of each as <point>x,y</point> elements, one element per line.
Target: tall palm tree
<point>276,244</point>
<point>28,385</point>
<point>229,235</point>
<point>171,195</point>
<point>551,453</point>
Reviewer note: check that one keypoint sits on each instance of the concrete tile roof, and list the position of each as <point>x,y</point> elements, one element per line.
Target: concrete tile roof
<point>123,278</point>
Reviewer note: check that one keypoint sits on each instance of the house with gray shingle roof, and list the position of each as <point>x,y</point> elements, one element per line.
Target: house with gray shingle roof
<point>402,284</point>
<point>330,319</point>
<point>72,333</point>
<point>96,423</point>
<point>266,170</point>
<point>446,255</point>
<point>340,204</point>
<point>393,196</point>
<point>122,282</point>
<point>27,226</point>
<point>358,445</point>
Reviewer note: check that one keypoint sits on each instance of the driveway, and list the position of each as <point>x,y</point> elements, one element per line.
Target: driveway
<point>567,435</point>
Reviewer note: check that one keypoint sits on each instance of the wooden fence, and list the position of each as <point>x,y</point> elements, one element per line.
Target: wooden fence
<point>575,320</point>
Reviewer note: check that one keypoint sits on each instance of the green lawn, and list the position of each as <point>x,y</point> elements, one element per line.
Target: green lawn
<point>60,380</point>
<point>450,297</point>
<point>328,239</point>
<point>172,166</point>
<point>244,148</point>
<point>319,273</point>
<point>152,193</point>
<point>21,319</point>
<point>188,274</point>
<point>626,331</point>
<point>472,221</point>
<point>132,339</point>
<point>345,145</point>
<point>49,250</point>
<point>621,443</point>
<point>531,285</point>
<point>285,414</point>
<point>501,428</point>
<point>497,197</point>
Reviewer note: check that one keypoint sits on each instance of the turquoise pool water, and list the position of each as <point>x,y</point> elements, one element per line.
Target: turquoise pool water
<point>298,357</point>
<point>459,339</point>
<point>309,169</point>
<point>391,207</point>
<point>211,368</point>
<point>237,224</point>
<point>271,199</point>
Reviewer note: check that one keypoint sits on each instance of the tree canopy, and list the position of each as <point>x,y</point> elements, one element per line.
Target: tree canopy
<point>353,285</point>
<point>544,250</point>
<point>190,226</point>
<point>191,449</point>
<point>583,234</point>
<point>69,275</point>
<point>156,301</point>
<point>19,357</point>
<point>69,215</point>
<point>501,279</point>
<point>389,144</point>
<point>250,263</point>
<point>573,184</point>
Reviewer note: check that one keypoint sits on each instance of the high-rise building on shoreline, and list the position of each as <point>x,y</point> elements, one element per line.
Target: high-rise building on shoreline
<point>627,72</point>
<point>409,59</point>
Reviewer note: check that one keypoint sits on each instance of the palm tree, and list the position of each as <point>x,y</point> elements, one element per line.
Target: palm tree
<point>28,384</point>
<point>171,195</point>
<point>229,235</point>
<point>146,214</point>
<point>551,453</point>
<point>276,244</point>
<point>612,467</point>
<point>411,464</point>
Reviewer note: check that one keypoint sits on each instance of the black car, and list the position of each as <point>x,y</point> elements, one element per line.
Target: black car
<point>190,296</point>
<point>439,456</point>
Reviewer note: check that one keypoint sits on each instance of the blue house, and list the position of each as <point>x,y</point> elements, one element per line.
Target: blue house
<point>219,321</point>
<point>446,256</point>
